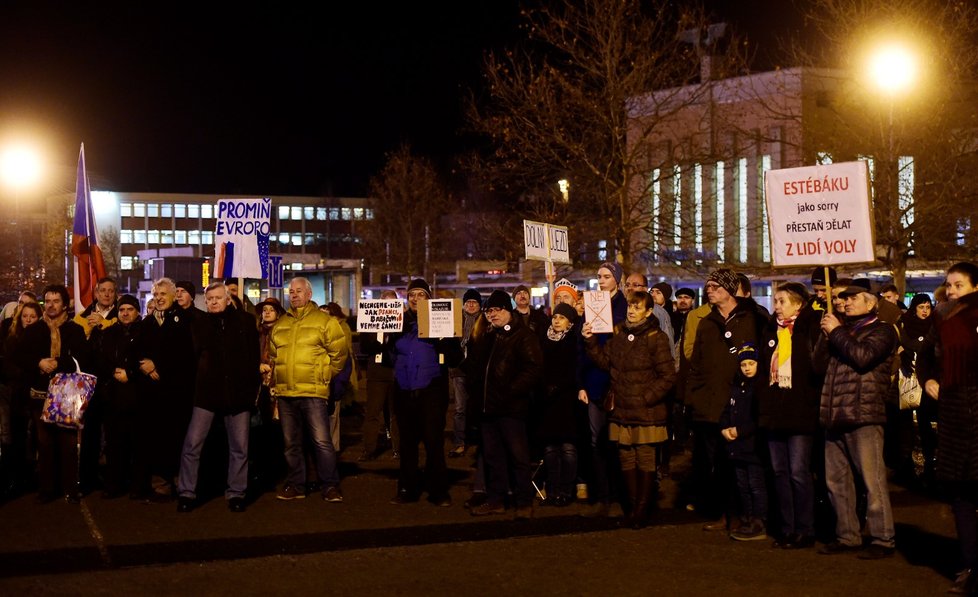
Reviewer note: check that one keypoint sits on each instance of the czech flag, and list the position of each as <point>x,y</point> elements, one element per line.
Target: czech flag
<point>89,266</point>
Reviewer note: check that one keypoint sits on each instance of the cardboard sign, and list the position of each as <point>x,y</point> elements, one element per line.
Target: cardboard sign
<point>820,215</point>
<point>241,238</point>
<point>380,315</point>
<point>597,311</point>
<point>440,318</point>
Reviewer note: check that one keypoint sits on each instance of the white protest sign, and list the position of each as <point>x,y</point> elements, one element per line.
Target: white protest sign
<point>380,315</point>
<point>546,242</point>
<point>597,311</point>
<point>820,215</point>
<point>440,318</point>
<point>241,238</point>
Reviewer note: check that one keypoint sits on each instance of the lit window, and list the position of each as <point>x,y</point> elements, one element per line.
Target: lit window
<point>656,207</point>
<point>964,226</point>
<point>125,237</point>
<point>153,237</point>
<point>125,262</point>
<point>153,210</point>
<point>193,210</point>
<point>296,239</point>
<point>345,213</point>
<point>765,241</point>
<point>823,158</point>
<point>180,237</point>
<point>721,210</point>
<point>206,211</point>
<point>139,237</point>
<point>139,210</point>
<point>283,237</point>
<point>308,212</point>
<point>180,210</point>
<point>310,239</point>
<point>334,213</point>
<point>369,214</point>
<point>677,213</point>
<point>295,266</point>
<point>193,237</point>
<point>207,237</point>
<point>125,210</point>
<point>357,213</point>
<point>698,207</point>
<point>166,210</point>
<point>283,212</point>
<point>296,213</point>
<point>905,190</point>
<point>320,213</point>
<point>741,178</point>
<point>166,237</point>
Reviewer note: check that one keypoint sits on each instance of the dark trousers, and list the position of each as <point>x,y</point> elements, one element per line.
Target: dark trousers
<point>506,449</point>
<point>711,473</point>
<point>964,504</point>
<point>380,392</point>
<point>57,458</point>
<point>752,489</point>
<point>126,452</point>
<point>421,418</point>
<point>91,446</point>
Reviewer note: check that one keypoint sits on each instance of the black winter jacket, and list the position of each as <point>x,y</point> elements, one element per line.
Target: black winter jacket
<point>227,352</point>
<point>793,410</point>
<point>511,363</point>
<point>857,365</point>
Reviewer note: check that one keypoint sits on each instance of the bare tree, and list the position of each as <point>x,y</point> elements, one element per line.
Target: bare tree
<point>407,199</point>
<point>557,107</point>
<point>109,243</point>
<point>921,141</point>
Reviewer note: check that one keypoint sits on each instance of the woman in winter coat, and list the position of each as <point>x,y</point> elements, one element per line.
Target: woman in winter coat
<point>642,370</point>
<point>557,427</point>
<point>789,402</point>
<point>915,325</point>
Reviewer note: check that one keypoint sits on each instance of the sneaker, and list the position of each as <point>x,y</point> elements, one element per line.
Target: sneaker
<point>964,583</point>
<point>332,495</point>
<point>831,549</point>
<point>876,552</point>
<point>750,532</point>
<point>799,542</point>
<point>237,504</point>
<point>290,492</point>
<point>487,509</point>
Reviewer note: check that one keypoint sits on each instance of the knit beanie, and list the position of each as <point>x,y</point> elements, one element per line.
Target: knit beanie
<point>665,289</point>
<point>747,352</point>
<point>499,300</point>
<point>472,295</point>
<point>421,284</point>
<point>564,285</point>
<point>818,277</point>
<point>189,287</point>
<point>567,311</point>
<point>727,280</point>
<point>686,292</point>
<point>615,269</point>
<point>128,299</point>
<point>519,289</point>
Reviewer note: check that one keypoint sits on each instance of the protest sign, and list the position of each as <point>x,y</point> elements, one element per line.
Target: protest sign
<point>241,238</point>
<point>597,311</point>
<point>440,318</point>
<point>820,215</point>
<point>546,242</point>
<point>380,315</point>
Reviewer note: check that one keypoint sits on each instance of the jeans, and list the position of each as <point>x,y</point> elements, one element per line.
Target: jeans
<point>791,461</point>
<point>860,448</point>
<point>752,489</point>
<point>507,449</point>
<point>561,462</point>
<point>307,415</point>
<point>237,429</point>
<point>458,417</point>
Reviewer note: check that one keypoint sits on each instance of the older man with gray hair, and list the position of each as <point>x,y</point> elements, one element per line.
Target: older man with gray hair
<point>308,348</point>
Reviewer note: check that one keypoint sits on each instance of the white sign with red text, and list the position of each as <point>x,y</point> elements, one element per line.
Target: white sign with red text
<point>820,215</point>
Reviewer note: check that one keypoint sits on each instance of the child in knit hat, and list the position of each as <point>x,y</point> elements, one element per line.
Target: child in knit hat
<point>738,424</point>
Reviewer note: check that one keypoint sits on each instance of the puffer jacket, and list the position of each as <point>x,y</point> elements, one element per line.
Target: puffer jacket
<point>857,364</point>
<point>308,348</point>
<point>642,372</point>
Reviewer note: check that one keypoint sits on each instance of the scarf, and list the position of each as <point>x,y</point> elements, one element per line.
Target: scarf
<point>859,323</point>
<point>781,359</point>
<point>54,325</point>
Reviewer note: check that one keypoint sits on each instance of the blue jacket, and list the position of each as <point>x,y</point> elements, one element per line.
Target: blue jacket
<point>416,360</point>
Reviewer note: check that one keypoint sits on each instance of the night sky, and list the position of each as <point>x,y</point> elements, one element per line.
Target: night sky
<point>281,99</point>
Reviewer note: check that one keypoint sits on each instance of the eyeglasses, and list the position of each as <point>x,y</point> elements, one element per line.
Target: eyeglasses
<point>417,294</point>
<point>712,286</point>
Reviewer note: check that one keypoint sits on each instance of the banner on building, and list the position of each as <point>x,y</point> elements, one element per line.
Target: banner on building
<point>820,215</point>
<point>380,315</point>
<point>241,237</point>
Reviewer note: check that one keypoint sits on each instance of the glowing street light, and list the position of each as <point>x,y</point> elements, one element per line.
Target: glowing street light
<point>20,167</point>
<point>893,68</point>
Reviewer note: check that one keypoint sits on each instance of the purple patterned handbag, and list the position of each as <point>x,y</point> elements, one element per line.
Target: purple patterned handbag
<point>68,397</point>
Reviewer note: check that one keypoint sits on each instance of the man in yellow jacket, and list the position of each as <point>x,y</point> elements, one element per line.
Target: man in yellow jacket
<point>307,349</point>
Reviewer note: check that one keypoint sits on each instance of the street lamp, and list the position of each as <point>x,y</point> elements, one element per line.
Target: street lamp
<point>20,170</point>
<point>893,68</point>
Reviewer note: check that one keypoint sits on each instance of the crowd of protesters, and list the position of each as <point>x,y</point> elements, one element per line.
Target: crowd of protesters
<point>783,411</point>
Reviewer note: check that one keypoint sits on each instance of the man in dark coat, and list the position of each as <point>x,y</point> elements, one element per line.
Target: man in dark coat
<point>226,348</point>
<point>167,366</point>
<point>856,358</point>
<point>513,362</point>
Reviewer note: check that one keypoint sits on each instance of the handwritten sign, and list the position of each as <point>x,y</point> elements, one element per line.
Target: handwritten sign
<point>597,311</point>
<point>241,238</point>
<point>380,315</point>
<point>440,318</point>
<point>546,242</point>
<point>820,215</point>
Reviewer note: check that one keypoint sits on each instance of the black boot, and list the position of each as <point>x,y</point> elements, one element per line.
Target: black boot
<point>647,491</point>
<point>631,477</point>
